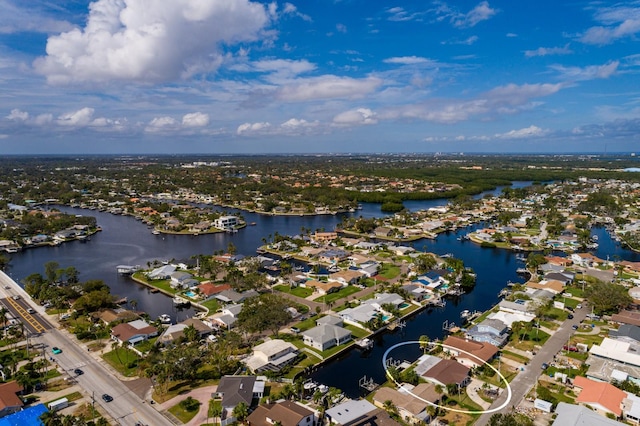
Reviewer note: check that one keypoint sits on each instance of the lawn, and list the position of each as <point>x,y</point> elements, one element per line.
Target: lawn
<point>332,297</point>
<point>212,305</point>
<point>389,271</point>
<point>124,360</point>
<point>182,414</point>
<point>296,291</point>
<point>308,323</point>
<point>515,356</point>
<point>164,285</point>
<point>530,340</point>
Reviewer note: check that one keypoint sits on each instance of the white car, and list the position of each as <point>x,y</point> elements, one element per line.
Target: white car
<point>579,306</point>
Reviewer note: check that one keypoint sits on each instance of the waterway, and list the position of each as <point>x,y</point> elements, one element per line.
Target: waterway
<point>125,240</point>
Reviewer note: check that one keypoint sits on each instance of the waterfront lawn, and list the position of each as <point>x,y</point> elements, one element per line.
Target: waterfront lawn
<point>296,291</point>
<point>124,360</point>
<point>164,285</point>
<point>357,332</point>
<point>332,297</point>
<point>213,305</point>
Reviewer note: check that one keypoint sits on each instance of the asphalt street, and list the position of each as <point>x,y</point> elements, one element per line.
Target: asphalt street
<point>126,408</point>
<point>525,380</point>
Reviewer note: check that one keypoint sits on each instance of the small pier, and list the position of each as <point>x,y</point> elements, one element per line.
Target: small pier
<point>437,302</point>
<point>368,384</point>
<point>396,324</point>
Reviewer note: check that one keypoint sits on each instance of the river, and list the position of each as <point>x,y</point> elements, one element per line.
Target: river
<point>125,240</point>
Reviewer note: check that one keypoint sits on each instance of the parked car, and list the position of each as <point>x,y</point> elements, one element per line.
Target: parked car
<point>545,365</point>
<point>570,316</point>
<point>579,306</point>
<point>575,327</point>
<point>106,397</point>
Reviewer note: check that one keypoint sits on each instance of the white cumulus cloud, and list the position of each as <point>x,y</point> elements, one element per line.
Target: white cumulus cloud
<point>18,115</point>
<point>162,124</point>
<point>528,132</point>
<point>79,118</point>
<point>195,119</point>
<point>248,128</point>
<point>591,72</point>
<point>138,40</point>
<point>355,117</point>
<point>327,87</point>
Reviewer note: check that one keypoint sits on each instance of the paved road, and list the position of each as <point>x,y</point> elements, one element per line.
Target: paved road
<point>524,381</point>
<point>126,408</point>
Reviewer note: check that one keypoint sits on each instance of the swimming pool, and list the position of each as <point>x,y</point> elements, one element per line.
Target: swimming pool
<point>404,306</point>
<point>190,294</point>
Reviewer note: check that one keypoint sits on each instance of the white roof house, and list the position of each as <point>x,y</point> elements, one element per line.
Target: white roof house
<point>325,336</point>
<point>271,355</point>
<point>349,411</point>
<point>617,350</point>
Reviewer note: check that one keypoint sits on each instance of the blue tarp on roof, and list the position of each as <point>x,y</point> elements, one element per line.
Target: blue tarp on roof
<point>27,417</point>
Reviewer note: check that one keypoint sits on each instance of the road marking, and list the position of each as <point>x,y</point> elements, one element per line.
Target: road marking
<point>30,319</point>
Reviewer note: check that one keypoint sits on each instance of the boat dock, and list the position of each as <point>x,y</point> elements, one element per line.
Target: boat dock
<point>127,269</point>
<point>364,343</point>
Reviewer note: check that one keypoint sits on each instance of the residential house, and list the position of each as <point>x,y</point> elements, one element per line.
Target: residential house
<point>626,332</point>
<point>470,353</point>
<point>360,314</point>
<point>232,296</point>
<point>417,292</point>
<point>209,290</point>
<point>564,277</point>
<point>402,250</point>
<point>617,350</point>
<point>382,231</point>
<point>409,400</point>
<point>491,331</point>
<point>226,222</point>
<point>176,331</point>
<point>228,317</point>
<point>182,280</point>
<point>330,319</point>
<point>133,332</point>
<point>431,281</point>
<point>369,268</point>
<point>233,390</point>
<point>324,237</point>
<point>286,413</point>
<point>271,355</point>
<point>577,415</point>
<point>333,255</point>
<point>601,396</point>
<point>10,402</point>
<point>447,372</point>
<point>351,413</point>
<point>325,336</point>
<point>553,286</point>
<point>346,277</point>
<point>162,273</point>
<point>323,287</point>
<point>627,317</point>
<point>586,259</point>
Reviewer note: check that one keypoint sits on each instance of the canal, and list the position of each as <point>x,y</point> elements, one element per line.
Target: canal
<point>125,240</point>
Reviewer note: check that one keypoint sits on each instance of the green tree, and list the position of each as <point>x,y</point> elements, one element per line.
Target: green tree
<point>264,312</point>
<point>607,298</point>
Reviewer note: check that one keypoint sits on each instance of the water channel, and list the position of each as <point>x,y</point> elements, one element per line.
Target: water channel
<point>125,240</point>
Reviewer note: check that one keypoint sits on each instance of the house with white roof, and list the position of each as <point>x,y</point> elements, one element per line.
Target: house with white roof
<point>325,336</point>
<point>271,355</point>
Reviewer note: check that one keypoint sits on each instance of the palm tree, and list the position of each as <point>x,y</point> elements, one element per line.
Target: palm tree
<point>51,418</point>
<point>241,411</point>
<point>424,343</point>
<point>215,410</point>
<point>3,318</point>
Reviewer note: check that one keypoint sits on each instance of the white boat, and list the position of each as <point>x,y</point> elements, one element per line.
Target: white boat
<point>465,313</point>
<point>180,301</point>
<point>155,232</point>
<point>165,319</point>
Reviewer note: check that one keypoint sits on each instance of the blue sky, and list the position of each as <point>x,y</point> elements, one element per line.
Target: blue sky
<point>239,76</point>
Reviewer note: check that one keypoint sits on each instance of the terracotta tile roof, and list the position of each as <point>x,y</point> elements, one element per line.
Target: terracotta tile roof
<point>209,289</point>
<point>484,351</point>
<point>604,394</point>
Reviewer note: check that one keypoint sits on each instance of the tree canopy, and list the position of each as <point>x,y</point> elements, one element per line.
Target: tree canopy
<point>264,312</point>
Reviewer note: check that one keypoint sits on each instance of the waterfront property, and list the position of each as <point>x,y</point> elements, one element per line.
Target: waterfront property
<point>482,352</point>
<point>271,355</point>
<point>409,407</point>
<point>326,336</point>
